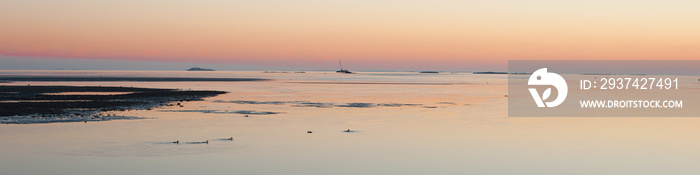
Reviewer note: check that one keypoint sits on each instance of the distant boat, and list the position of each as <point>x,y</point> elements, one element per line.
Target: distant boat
<point>429,72</point>
<point>343,71</point>
<point>199,69</point>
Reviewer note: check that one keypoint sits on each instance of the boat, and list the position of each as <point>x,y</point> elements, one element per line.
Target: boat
<point>199,69</point>
<point>343,71</point>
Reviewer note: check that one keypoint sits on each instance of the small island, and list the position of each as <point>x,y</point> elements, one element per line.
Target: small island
<point>490,72</point>
<point>429,72</point>
<point>199,69</point>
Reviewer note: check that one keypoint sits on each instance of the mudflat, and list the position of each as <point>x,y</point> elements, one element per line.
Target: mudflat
<point>47,101</point>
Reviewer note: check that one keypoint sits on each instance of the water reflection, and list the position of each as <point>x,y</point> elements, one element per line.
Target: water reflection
<point>468,133</point>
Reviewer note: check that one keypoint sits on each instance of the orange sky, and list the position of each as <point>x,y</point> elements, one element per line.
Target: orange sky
<point>450,35</point>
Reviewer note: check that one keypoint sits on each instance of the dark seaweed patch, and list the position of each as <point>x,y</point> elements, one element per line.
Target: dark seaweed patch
<point>34,101</point>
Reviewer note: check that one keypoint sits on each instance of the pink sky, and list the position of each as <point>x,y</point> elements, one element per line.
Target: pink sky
<point>392,35</point>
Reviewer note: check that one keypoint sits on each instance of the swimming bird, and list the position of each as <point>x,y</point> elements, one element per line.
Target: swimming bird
<point>309,132</point>
<point>230,138</point>
<point>207,142</point>
<point>347,130</point>
<point>177,142</point>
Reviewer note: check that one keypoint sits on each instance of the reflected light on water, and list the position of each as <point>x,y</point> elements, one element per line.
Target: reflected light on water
<point>457,125</point>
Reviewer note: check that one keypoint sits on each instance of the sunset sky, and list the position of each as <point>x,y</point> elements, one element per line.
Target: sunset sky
<point>450,35</point>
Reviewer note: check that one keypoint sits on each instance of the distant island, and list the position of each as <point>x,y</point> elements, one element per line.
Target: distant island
<point>490,72</point>
<point>199,69</point>
<point>429,72</point>
<point>299,72</point>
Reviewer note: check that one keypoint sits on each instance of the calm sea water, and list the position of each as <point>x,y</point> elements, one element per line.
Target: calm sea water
<point>403,123</point>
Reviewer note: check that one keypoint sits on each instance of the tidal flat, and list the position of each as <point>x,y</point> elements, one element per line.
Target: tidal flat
<point>49,104</point>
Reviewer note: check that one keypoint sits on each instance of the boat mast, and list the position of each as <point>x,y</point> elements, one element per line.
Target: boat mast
<point>341,64</point>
